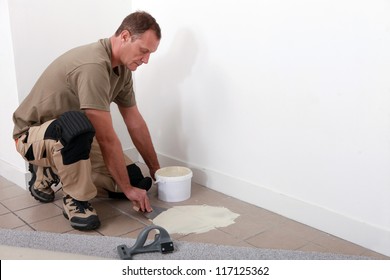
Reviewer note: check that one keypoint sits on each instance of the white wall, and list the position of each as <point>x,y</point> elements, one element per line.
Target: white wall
<point>284,104</point>
<point>10,165</point>
<point>33,34</point>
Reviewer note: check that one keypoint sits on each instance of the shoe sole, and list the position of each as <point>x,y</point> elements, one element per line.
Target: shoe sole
<point>33,192</point>
<point>78,226</point>
<point>38,197</point>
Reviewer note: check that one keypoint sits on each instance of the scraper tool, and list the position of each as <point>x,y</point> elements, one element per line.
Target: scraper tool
<point>162,242</point>
<point>151,215</point>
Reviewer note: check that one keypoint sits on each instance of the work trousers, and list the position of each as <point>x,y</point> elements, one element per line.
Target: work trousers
<point>83,179</point>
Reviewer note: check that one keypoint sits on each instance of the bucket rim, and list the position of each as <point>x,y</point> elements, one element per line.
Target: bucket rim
<point>162,178</point>
<point>174,166</point>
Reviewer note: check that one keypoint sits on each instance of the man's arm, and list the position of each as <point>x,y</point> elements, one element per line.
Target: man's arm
<point>113,157</point>
<point>140,136</point>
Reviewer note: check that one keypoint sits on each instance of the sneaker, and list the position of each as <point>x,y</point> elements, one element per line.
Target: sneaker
<point>145,184</point>
<point>80,214</point>
<point>41,181</point>
<point>137,179</point>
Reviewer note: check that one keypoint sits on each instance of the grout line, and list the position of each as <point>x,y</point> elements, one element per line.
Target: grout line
<point>126,214</point>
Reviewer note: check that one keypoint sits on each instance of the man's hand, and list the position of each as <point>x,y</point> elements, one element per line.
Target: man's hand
<point>139,199</point>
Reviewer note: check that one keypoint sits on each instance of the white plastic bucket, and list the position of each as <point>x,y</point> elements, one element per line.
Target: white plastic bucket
<point>173,183</point>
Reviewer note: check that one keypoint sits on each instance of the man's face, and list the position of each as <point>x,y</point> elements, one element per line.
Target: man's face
<point>136,51</point>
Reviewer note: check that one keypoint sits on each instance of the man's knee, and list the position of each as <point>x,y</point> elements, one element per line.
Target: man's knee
<point>75,132</point>
<point>78,149</point>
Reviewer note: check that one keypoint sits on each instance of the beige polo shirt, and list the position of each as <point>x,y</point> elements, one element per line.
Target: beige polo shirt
<point>82,78</point>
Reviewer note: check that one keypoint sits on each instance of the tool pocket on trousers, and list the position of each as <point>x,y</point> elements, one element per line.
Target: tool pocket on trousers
<point>31,150</point>
<point>29,156</point>
<point>35,151</point>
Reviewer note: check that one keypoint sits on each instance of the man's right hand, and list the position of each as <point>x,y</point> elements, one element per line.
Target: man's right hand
<point>139,198</point>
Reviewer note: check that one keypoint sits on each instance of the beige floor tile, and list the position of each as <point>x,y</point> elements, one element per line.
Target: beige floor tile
<point>266,218</point>
<point>311,247</point>
<point>125,206</point>
<point>3,209</point>
<point>39,212</point>
<point>245,244</point>
<point>119,225</point>
<point>201,195</point>
<point>301,230</point>
<point>243,208</point>
<point>20,202</point>
<point>57,224</point>
<point>374,255</point>
<point>10,221</point>
<point>4,183</point>
<point>10,192</point>
<point>214,236</point>
<point>337,245</point>
<point>277,239</point>
<point>245,227</point>
<point>104,209</point>
<point>25,228</point>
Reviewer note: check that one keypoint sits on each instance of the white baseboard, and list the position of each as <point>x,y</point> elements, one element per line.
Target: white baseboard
<point>15,175</point>
<point>356,231</point>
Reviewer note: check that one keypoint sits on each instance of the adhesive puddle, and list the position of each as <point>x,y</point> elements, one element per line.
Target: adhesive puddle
<point>194,219</point>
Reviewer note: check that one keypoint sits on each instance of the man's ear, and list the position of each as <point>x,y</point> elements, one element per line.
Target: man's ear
<point>125,36</point>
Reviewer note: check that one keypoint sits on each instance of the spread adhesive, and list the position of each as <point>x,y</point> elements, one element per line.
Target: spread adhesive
<point>194,219</point>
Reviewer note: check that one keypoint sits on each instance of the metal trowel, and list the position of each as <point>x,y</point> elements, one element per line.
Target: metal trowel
<point>151,215</point>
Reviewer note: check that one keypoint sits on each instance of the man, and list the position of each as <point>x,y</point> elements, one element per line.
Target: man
<point>64,127</point>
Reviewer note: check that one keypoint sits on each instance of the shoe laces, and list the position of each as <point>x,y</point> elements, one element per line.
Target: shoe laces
<point>81,206</point>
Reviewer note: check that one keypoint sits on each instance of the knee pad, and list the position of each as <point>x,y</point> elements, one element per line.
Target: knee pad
<point>75,132</point>
<point>77,149</point>
<point>71,125</point>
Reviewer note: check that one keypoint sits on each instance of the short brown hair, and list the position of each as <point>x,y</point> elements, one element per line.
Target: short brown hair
<point>139,22</point>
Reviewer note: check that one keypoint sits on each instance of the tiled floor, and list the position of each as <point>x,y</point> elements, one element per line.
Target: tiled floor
<point>255,227</point>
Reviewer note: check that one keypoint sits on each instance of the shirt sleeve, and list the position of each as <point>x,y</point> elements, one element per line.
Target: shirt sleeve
<point>126,97</point>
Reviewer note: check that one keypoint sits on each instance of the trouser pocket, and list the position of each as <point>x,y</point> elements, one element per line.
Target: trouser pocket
<point>31,146</point>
